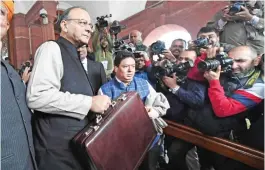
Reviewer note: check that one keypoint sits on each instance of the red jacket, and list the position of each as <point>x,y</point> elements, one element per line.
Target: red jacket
<point>223,106</point>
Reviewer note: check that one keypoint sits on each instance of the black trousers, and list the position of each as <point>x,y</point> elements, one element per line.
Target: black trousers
<point>151,159</point>
<point>52,142</point>
<point>210,159</point>
<point>177,151</point>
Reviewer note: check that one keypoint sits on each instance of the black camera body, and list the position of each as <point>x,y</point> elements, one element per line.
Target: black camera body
<point>23,67</point>
<point>167,68</point>
<point>236,7</point>
<point>212,64</point>
<point>158,47</point>
<point>116,28</point>
<point>120,45</point>
<point>201,42</point>
<point>101,22</point>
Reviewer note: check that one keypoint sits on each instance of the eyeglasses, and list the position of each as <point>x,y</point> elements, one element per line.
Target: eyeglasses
<point>82,23</point>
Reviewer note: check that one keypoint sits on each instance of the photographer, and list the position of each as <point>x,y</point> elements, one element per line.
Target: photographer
<point>231,97</point>
<point>177,46</point>
<point>181,97</point>
<point>241,23</point>
<point>102,47</point>
<point>136,38</point>
<point>207,37</point>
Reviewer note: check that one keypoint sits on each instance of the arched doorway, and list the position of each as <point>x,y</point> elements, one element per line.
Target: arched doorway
<point>167,33</point>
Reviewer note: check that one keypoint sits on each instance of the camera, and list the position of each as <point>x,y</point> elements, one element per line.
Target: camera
<point>201,42</point>
<point>166,68</point>
<point>137,54</point>
<point>116,28</point>
<point>236,7</point>
<point>158,47</point>
<point>101,22</point>
<point>212,64</point>
<point>120,45</point>
<point>23,67</point>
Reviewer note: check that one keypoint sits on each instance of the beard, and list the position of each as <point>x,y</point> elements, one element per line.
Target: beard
<point>245,73</point>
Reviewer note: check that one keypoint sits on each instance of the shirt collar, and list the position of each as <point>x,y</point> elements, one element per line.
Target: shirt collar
<point>84,61</point>
<point>119,81</point>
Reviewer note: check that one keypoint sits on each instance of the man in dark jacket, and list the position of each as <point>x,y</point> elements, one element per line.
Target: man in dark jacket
<point>181,97</point>
<point>17,151</point>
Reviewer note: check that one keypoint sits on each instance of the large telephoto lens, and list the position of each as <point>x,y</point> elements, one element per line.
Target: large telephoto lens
<point>208,65</point>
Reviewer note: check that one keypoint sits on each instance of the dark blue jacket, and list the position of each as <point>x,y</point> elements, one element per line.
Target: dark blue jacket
<point>191,94</point>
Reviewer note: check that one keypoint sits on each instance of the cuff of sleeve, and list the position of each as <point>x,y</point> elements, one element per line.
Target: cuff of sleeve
<point>215,83</point>
<point>174,90</point>
<point>254,20</point>
<point>87,103</point>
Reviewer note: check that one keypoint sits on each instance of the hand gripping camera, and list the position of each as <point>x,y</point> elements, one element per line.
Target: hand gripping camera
<point>166,68</point>
<point>23,67</point>
<point>213,63</point>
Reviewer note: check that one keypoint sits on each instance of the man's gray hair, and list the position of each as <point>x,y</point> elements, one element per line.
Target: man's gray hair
<point>65,15</point>
<point>252,52</point>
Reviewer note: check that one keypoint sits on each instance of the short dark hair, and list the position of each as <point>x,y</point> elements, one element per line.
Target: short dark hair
<point>207,30</point>
<point>121,55</point>
<point>65,15</point>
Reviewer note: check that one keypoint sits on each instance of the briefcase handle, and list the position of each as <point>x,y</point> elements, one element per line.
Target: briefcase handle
<point>99,117</point>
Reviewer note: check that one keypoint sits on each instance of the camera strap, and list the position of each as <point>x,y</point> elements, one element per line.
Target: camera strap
<point>252,79</point>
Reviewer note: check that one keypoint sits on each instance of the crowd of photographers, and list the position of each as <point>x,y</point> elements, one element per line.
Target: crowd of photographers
<point>214,83</point>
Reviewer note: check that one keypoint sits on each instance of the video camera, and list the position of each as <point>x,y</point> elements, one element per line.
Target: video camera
<point>101,22</point>
<point>23,67</point>
<point>167,67</point>
<point>120,45</point>
<point>213,63</point>
<point>116,28</point>
<point>201,42</point>
<point>158,47</point>
<point>236,7</point>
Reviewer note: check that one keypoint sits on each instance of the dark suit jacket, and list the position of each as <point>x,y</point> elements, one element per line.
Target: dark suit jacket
<point>96,70</point>
<point>17,151</point>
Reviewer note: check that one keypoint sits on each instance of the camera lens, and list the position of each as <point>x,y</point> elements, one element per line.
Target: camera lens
<point>208,65</point>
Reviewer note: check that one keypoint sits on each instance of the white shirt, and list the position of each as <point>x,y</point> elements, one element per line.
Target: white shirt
<point>45,82</point>
<point>84,63</point>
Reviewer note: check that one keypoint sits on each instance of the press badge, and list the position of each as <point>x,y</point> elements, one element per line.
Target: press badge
<point>105,64</point>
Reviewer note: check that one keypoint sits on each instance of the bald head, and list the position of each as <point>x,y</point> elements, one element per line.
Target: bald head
<point>135,36</point>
